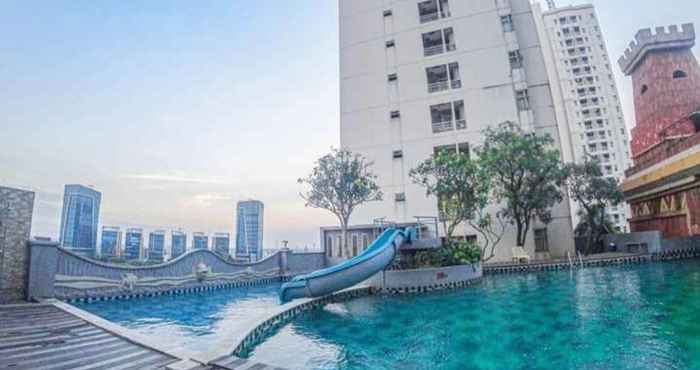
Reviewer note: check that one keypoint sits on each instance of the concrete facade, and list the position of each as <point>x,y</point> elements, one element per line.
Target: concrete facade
<point>585,95</point>
<point>16,209</point>
<point>415,80</point>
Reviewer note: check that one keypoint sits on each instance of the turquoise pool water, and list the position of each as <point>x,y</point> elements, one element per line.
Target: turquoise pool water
<point>196,321</point>
<point>640,317</point>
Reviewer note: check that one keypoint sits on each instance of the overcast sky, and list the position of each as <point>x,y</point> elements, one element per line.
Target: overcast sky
<point>175,110</point>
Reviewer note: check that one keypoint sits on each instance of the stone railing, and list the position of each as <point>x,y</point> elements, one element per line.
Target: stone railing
<point>55,272</point>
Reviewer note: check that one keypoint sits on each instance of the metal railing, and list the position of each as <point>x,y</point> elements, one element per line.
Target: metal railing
<point>429,17</point>
<point>433,50</point>
<point>438,86</point>
<point>442,126</point>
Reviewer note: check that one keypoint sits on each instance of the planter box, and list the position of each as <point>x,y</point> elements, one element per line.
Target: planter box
<point>406,281</point>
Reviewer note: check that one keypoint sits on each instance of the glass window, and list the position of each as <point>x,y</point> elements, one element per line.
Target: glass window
<point>522,100</point>
<point>541,242</point>
<point>460,119</point>
<point>428,11</point>
<point>515,59</point>
<point>507,23</point>
<point>437,78</point>
<point>455,76</point>
<point>433,43</point>
<point>441,113</point>
<point>450,39</point>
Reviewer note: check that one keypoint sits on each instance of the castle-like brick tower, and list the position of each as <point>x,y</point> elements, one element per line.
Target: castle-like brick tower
<point>663,187</point>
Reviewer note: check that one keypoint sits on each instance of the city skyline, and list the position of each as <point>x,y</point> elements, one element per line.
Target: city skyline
<point>189,78</point>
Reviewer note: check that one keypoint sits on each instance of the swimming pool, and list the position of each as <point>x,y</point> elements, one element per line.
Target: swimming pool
<point>196,321</point>
<point>634,317</point>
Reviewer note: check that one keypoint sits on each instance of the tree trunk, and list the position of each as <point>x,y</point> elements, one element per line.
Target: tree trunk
<point>520,241</point>
<point>344,238</point>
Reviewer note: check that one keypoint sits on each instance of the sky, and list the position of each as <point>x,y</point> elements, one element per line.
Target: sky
<point>176,110</point>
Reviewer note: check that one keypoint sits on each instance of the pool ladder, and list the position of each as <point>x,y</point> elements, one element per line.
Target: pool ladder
<point>571,262</point>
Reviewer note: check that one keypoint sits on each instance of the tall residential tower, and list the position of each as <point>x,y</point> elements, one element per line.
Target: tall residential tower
<point>585,95</point>
<point>249,229</point>
<point>417,76</point>
<point>79,219</point>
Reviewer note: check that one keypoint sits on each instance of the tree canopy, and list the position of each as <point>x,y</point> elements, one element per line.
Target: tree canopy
<point>341,181</point>
<point>526,175</point>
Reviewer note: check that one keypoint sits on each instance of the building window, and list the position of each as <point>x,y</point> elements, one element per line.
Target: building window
<point>516,60</point>
<point>390,44</point>
<point>645,88</point>
<point>432,10</point>
<point>397,154</point>
<point>437,42</point>
<point>443,77</point>
<point>340,247</point>
<point>461,148</point>
<point>442,116</point>
<point>507,23</point>
<point>679,74</point>
<point>522,100</point>
<point>395,114</point>
<point>400,197</point>
<point>388,13</point>
<point>541,242</point>
<point>365,241</point>
<point>329,246</point>
<point>392,77</point>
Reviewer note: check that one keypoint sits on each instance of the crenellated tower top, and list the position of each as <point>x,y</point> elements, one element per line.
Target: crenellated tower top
<point>663,39</point>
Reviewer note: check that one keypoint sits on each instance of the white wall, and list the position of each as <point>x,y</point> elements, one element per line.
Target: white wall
<point>488,90</point>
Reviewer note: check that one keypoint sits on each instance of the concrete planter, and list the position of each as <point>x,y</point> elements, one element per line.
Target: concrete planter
<point>427,279</point>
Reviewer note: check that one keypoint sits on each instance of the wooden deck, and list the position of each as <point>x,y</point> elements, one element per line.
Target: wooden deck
<point>48,337</point>
<point>44,337</point>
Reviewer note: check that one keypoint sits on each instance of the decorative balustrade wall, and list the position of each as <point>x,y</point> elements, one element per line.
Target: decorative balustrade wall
<point>58,273</point>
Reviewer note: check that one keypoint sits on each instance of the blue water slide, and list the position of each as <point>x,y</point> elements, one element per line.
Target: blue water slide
<point>374,259</point>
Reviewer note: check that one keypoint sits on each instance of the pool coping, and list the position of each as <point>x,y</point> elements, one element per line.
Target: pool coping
<point>259,325</point>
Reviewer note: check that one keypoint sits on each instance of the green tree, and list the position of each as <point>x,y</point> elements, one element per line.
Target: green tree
<point>339,183</point>
<point>526,175</point>
<point>462,190</point>
<point>593,193</point>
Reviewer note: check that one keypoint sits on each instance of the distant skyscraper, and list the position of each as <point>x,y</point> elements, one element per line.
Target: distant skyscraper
<point>178,244</point>
<point>111,241</point>
<point>156,246</point>
<point>249,229</point>
<point>221,243</point>
<point>79,219</point>
<point>133,244</point>
<point>200,241</point>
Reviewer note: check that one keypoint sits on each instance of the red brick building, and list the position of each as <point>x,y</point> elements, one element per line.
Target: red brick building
<point>663,187</point>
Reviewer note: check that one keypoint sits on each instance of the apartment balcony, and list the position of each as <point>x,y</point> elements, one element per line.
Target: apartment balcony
<point>433,50</point>
<point>461,124</point>
<point>438,86</point>
<point>425,18</point>
<point>439,127</point>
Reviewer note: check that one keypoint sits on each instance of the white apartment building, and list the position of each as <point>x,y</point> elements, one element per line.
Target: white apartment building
<point>584,92</point>
<point>420,75</point>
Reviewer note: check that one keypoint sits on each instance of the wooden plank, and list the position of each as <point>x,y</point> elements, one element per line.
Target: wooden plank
<point>86,360</point>
<point>59,357</point>
<point>68,345</point>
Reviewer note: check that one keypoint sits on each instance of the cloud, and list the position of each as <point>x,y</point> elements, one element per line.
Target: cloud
<point>179,177</point>
<point>209,199</point>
